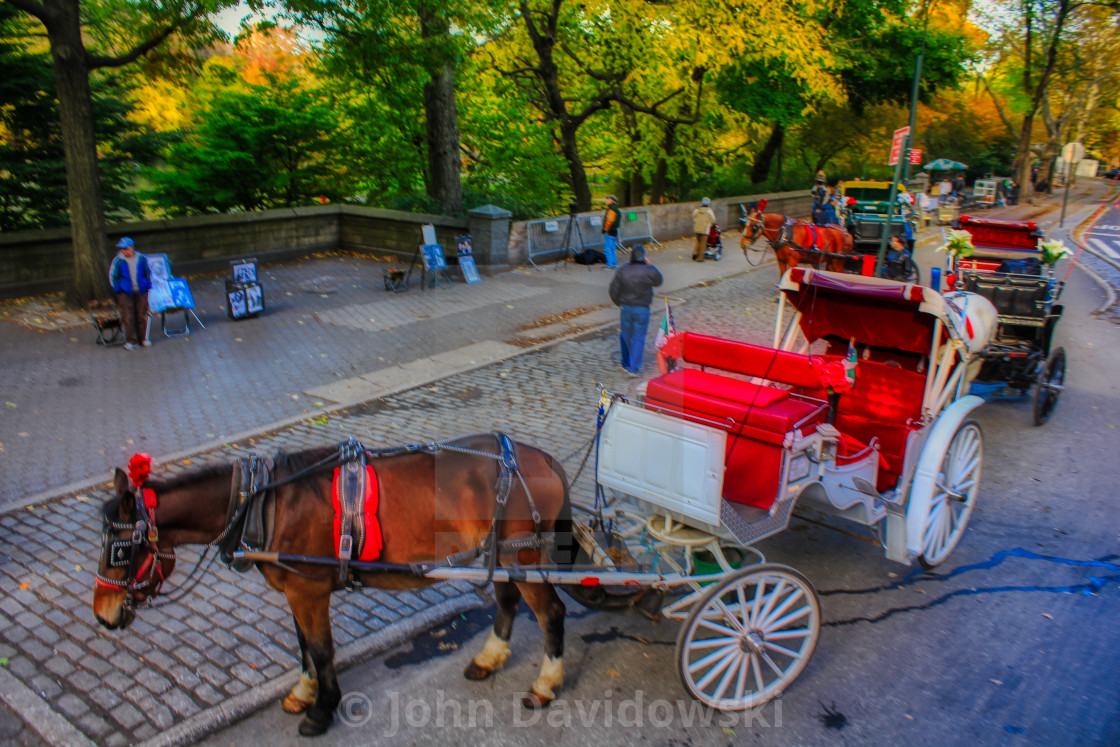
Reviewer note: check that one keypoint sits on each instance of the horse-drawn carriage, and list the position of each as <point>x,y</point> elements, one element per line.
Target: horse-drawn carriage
<point>851,246</point>
<point>859,407</point>
<point>1008,264</point>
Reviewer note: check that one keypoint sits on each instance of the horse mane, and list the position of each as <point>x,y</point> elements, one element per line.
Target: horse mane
<point>187,478</point>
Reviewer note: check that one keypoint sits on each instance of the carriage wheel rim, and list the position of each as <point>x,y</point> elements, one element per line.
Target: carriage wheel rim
<point>1050,385</point>
<point>749,638</point>
<point>954,494</point>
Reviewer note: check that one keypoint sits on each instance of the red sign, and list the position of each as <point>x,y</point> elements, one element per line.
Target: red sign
<point>896,144</point>
<point>915,156</point>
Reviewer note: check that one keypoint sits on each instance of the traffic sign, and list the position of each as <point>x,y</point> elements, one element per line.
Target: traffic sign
<point>915,156</point>
<point>896,144</point>
<point>1073,152</point>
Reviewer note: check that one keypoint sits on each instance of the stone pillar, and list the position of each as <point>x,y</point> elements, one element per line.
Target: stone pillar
<point>489,226</point>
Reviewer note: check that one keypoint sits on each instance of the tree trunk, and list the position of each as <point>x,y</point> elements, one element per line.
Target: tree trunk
<point>445,184</point>
<point>577,174</point>
<point>637,189</point>
<point>661,173</point>
<point>761,168</point>
<point>441,115</point>
<point>83,180</point>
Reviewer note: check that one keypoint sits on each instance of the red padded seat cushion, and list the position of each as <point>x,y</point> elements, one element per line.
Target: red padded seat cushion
<point>719,398</point>
<point>752,360</point>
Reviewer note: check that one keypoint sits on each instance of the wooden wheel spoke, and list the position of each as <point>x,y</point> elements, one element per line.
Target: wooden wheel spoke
<point>718,669</point>
<point>767,623</point>
<point>713,642</point>
<point>721,688</point>
<point>781,649</point>
<point>781,622</point>
<point>712,658</point>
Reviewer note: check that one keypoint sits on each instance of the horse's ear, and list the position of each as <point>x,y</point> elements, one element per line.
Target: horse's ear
<point>120,482</point>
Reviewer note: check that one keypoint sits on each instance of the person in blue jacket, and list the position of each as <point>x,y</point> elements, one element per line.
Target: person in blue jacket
<point>131,280</point>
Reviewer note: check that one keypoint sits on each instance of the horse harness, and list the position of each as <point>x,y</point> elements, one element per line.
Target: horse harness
<point>251,516</point>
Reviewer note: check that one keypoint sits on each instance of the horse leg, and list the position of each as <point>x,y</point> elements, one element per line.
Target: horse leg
<point>304,693</point>
<point>549,609</point>
<point>312,612</point>
<point>496,650</point>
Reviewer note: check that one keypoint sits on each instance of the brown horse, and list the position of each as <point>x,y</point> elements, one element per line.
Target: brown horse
<point>797,242</point>
<point>436,500</point>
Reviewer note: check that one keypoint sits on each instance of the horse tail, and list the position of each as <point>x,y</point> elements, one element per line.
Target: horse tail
<point>564,549</point>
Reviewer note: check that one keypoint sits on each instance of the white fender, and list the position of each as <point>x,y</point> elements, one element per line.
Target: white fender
<point>929,464</point>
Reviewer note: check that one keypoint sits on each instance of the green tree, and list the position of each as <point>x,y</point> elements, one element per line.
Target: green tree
<point>136,27</point>
<point>32,164</point>
<point>254,147</point>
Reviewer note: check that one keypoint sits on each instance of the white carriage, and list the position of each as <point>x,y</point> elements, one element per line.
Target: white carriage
<point>719,451</point>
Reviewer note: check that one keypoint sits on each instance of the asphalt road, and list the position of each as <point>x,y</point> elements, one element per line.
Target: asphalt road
<point>1012,641</point>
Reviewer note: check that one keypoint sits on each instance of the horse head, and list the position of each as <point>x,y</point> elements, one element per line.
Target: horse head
<point>132,567</point>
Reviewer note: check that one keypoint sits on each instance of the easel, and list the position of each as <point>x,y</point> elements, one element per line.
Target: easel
<point>433,267</point>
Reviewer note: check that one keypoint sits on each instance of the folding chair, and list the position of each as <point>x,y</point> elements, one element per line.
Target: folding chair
<point>107,323</point>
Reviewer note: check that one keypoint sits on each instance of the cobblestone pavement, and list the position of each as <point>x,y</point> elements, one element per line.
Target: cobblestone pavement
<point>71,410</point>
<point>227,647</point>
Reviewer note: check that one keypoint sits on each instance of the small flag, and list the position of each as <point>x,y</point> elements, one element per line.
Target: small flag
<point>850,362</point>
<point>665,333</point>
<point>668,327</point>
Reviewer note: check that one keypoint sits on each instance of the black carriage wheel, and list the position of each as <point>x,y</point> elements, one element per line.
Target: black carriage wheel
<point>911,273</point>
<point>1049,387</point>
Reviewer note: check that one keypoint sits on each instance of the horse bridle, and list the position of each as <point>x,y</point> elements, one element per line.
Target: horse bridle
<point>752,223</point>
<point>122,553</point>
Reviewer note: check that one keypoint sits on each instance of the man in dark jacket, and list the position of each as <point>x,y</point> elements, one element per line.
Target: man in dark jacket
<point>632,291</point>
<point>131,280</point>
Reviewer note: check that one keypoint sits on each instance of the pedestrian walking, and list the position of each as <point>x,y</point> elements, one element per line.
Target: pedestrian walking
<point>611,219</point>
<point>702,220</point>
<point>131,280</point>
<point>632,291</point>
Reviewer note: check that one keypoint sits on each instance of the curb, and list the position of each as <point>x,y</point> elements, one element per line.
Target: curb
<point>48,723</point>
<point>236,708</point>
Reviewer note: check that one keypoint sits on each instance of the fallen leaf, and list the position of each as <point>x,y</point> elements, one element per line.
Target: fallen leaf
<point>187,462</point>
<point>909,716</point>
<point>25,585</point>
<point>4,661</point>
<point>78,568</point>
<point>614,673</point>
<point>1048,616</point>
<point>997,682</point>
<point>729,731</point>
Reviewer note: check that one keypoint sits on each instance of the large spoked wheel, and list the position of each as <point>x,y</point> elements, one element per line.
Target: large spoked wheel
<point>754,253</point>
<point>749,637</point>
<point>954,494</point>
<point>1050,385</point>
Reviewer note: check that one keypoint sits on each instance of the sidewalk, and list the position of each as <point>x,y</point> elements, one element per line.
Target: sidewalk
<point>334,356</point>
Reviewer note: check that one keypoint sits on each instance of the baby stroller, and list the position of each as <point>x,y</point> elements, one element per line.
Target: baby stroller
<point>715,244</point>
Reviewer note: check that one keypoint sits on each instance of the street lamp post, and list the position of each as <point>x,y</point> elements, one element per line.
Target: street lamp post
<point>902,168</point>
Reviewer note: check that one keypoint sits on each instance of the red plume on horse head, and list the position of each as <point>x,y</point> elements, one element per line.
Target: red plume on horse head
<point>762,204</point>
<point>139,467</point>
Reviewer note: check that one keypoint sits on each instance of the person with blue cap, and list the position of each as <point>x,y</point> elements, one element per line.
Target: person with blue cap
<point>131,280</point>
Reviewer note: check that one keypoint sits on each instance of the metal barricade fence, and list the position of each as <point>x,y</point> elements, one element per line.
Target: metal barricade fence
<point>550,239</point>
<point>635,228</point>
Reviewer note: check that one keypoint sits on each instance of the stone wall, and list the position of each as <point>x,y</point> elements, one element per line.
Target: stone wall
<point>33,262</point>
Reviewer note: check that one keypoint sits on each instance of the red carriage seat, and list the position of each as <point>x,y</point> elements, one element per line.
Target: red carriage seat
<point>756,416</point>
<point>884,403</point>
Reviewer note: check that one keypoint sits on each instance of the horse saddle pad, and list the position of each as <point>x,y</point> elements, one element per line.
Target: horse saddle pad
<point>362,507</point>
